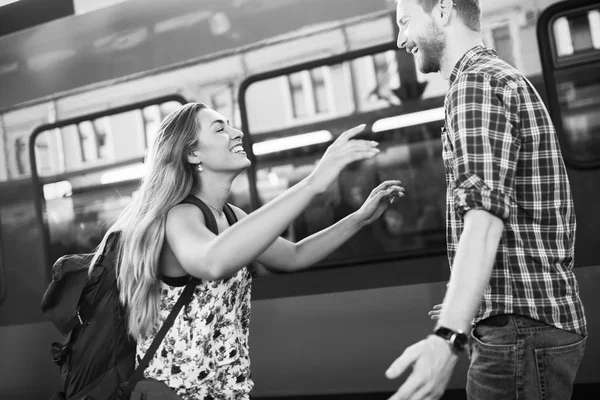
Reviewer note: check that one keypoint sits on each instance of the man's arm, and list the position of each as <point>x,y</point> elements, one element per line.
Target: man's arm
<point>473,264</point>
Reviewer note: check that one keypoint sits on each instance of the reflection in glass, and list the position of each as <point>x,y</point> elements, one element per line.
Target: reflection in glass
<point>363,90</point>
<point>93,172</point>
<point>78,218</point>
<point>298,95</point>
<point>579,97</point>
<point>414,223</point>
<point>579,33</point>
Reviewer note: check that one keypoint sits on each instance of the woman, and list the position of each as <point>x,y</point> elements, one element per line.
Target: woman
<point>164,241</point>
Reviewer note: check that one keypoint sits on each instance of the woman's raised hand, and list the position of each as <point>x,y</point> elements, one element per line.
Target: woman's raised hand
<point>435,313</point>
<point>343,151</point>
<point>379,200</point>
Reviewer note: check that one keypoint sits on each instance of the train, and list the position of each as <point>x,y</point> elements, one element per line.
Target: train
<point>75,150</point>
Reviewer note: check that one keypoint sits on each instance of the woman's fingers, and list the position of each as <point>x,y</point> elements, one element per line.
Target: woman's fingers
<point>391,188</point>
<point>435,313</point>
<point>385,184</point>
<point>359,155</point>
<point>350,133</point>
<point>357,145</point>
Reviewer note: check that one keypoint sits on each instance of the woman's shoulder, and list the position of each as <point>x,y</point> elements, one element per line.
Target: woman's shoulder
<point>183,212</point>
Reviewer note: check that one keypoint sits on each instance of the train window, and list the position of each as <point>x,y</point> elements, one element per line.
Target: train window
<point>364,90</point>
<point>579,98</point>
<point>91,173</point>
<point>574,40</point>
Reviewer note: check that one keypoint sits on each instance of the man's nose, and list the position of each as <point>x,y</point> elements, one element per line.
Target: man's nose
<point>401,41</point>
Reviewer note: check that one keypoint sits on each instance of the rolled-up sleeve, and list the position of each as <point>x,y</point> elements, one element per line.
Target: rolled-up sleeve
<point>483,118</point>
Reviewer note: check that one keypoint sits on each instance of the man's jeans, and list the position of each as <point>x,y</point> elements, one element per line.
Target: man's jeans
<point>515,357</point>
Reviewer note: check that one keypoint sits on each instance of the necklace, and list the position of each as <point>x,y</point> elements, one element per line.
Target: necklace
<point>218,212</point>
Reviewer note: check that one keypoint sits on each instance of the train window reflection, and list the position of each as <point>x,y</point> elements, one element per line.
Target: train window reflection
<point>90,171</point>
<point>579,99</point>
<point>81,209</point>
<point>385,92</point>
<point>577,33</point>
<point>415,223</point>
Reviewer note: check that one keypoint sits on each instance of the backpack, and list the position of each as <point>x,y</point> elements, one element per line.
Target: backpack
<point>97,357</point>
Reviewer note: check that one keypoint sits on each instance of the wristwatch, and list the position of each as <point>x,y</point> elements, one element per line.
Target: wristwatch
<point>456,339</point>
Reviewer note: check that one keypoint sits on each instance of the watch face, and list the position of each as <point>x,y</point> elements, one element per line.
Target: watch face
<point>457,340</point>
<point>460,341</point>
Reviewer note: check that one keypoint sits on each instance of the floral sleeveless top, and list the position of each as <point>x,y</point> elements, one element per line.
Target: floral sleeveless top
<point>204,356</point>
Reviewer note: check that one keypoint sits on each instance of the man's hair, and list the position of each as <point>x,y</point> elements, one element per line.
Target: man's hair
<point>467,10</point>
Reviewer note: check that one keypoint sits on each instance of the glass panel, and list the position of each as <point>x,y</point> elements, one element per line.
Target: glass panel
<point>368,83</point>
<point>297,95</point>
<point>287,150</point>
<point>579,99</point>
<point>319,88</point>
<point>92,174</point>
<point>578,33</point>
<point>80,210</point>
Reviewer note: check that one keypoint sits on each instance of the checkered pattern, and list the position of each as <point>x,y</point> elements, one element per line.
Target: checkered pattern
<point>501,154</point>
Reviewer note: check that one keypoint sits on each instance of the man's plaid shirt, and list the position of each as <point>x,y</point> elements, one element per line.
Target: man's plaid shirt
<point>501,155</point>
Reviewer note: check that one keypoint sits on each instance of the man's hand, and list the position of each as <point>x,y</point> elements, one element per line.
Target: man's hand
<point>432,362</point>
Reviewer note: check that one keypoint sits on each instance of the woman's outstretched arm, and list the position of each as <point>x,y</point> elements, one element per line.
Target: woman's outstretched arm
<point>207,256</point>
<point>287,256</point>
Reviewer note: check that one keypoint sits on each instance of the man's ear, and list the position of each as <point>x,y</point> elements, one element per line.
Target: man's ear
<point>443,10</point>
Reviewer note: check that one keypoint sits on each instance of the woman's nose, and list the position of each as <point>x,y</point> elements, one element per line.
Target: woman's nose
<point>236,133</point>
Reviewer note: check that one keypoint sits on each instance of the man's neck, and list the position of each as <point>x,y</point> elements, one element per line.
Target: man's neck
<point>458,43</point>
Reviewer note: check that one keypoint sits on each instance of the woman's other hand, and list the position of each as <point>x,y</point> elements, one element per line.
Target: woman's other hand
<point>343,151</point>
<point>379,200</point>
<point>435,313</point>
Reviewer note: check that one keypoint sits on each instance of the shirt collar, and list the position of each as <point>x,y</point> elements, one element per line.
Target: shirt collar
<point>469,58</point>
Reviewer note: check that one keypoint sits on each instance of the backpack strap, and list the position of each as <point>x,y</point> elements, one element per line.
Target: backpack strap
<point>211,222</point>
<point>184,298</point>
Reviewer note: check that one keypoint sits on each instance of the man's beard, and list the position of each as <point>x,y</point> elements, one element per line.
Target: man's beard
<point>431,50</point>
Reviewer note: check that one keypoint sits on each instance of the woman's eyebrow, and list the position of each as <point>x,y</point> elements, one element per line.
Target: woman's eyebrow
<point>220,121</point>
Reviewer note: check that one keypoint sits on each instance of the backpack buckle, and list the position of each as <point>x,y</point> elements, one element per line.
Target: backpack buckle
<point>82,313</point>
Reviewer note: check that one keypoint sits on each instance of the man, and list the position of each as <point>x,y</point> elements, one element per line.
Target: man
<point>510,223</point>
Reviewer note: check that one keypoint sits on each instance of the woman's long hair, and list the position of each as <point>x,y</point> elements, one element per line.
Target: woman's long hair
<point>168,180</point>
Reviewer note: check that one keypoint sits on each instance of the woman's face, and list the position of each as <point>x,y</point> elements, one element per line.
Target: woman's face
<point>219,145</point>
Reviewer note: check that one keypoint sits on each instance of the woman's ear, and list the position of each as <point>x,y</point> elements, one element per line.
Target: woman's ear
<point>192,157</point>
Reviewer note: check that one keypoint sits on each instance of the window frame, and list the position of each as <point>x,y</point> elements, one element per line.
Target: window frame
<point>308,90</point>
<point>552,63</point>
<point>278,287</point>
<point>38,182</point>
